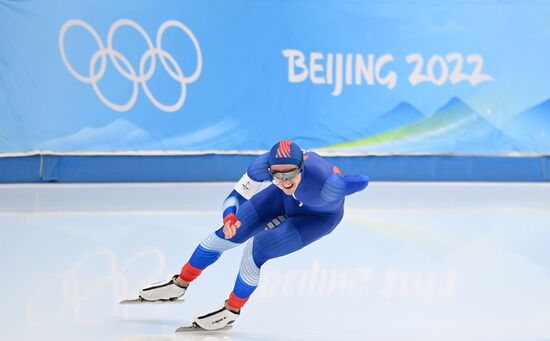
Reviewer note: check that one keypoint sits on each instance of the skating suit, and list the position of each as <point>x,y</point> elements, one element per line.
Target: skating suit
<point>274,223</point>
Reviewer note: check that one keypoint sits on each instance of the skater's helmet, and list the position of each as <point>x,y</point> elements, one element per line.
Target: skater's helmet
<point>286,152</point>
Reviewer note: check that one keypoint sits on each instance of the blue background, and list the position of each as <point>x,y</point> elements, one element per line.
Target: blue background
<point>243,100</point>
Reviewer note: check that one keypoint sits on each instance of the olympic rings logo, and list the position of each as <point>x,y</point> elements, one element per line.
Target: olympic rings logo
<point>137,77</point>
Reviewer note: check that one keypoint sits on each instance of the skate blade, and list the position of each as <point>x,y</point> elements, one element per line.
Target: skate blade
<point>196,329</point>
<point>140,301</point>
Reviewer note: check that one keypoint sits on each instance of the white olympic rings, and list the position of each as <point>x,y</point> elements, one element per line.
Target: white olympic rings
<point>139,77</point>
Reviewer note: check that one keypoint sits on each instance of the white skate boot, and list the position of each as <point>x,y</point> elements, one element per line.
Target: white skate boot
<point>167,290</point>
<point>215,320</point>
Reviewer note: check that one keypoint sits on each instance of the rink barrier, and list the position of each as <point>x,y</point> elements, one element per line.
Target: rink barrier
<point>194,168</point>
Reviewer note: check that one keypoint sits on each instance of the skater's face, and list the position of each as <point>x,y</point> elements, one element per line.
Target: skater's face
<point>287,177</point>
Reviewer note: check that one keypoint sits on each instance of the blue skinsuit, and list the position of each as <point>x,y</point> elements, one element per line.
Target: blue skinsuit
<point>314,210</point>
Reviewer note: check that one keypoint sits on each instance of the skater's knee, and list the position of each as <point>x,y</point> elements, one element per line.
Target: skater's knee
<point>259,259</point>
<point>218,243</point>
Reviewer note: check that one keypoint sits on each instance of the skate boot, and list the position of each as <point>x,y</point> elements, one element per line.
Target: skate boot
<point>218,319</point>
<point>167,290</point>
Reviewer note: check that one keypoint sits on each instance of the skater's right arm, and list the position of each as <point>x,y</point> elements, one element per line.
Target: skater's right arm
<point>246,188</point>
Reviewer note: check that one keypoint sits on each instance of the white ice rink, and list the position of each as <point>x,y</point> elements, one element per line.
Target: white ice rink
<point>410,261</point>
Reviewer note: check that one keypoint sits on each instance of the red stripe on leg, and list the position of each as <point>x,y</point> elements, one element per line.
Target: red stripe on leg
<point>236,302</point>
<point>189,273</point>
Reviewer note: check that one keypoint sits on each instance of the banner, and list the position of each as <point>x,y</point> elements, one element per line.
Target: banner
<point>342,77</point>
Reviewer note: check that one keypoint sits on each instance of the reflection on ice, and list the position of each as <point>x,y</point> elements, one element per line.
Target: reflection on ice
<point>409,261</point>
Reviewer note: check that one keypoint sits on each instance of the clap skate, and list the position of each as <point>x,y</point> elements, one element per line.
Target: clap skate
<point>167,291</point>
<point>221,319</point>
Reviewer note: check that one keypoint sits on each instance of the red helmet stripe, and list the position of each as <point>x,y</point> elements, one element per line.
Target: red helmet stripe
<point>284,148</point>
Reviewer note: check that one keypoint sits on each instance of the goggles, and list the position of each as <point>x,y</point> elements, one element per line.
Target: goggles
<point>286,175</point>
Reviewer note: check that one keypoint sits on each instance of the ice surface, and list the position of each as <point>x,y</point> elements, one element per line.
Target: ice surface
<point>410,261</point>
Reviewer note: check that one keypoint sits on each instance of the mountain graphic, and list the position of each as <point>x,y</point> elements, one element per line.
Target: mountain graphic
<point>453,128</point>
<point>532,128</point>
<point>401,115</point>
<point>123,135</point>
<point>119,134</point>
